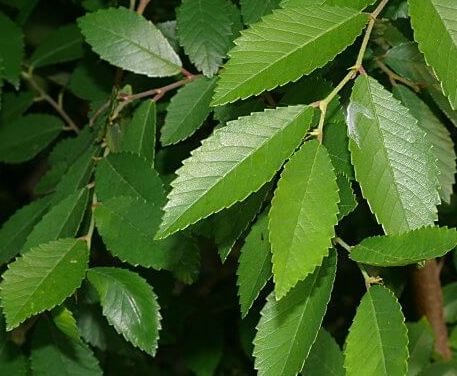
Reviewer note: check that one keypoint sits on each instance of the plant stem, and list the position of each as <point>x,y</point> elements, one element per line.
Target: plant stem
<point>356,68</point>
<point>57,106</point>
<point>429,301</point>
<point>142,6</point>
<point>394,78</point>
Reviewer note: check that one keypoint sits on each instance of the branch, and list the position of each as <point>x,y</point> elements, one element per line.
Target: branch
<point>142,6</point>
<point>57,106</point>
<point>394,78</point>
<point>357,68</point>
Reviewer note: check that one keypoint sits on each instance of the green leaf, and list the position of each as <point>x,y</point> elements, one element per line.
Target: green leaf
<point>140,135</point>
<point>62,220</point>
<point>289,327</point>
<point>210,179</point>
<point>303,215</point>
<point>128,41</point>
<point>377,343</point>
<point>14,105</point>
<point>228,225</point>
<point>123,221</point>
<point>54,353</point>
<point>356,4</point>
<point>65,321</point>
<point>392,158</point>
<point>276,50</point>
<point>12,360</point>
<point>348,201</point>
<point>42,279</point>
<point>405,248</point>
<point>253,10</point>
<point>254,269</point>
<point>15,230</point>
<point>205,33</point>
<point>337,144</point>
<point>438,136</point>
<point>11,49</point>
<point>325,358</point>
<point>445,369</point>
<point>450,302</point>
<point>233,111</point>
<point>442,56</point>
<point>187,111</point>
<point>420,346</point>
<point>127,174</point>
<point>129,304</point>
<point>62,45</point>
<point>25,137</point>
<point>91,81</point>
<point>439,98</point>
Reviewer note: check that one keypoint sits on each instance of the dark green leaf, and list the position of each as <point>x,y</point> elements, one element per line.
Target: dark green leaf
<point>420,346</point>
<point>11,49</point>
<point>253,10</point>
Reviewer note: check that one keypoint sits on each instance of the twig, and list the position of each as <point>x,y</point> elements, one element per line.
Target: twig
<point>357,68</point>
<point>142,6</point>
<point>97,113</point>
<point>59,109</point>
<point>394,78</point>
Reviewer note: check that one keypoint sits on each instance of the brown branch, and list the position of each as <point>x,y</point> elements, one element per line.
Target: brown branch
<point>429,302</point>
<point>142,6</point>
<point>59,109</point>
<point>394,78</point>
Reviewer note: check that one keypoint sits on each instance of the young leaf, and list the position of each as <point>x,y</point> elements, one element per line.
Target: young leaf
<point>254,269</point>
<point>303,215</point>
<point>442,56</point>
<point>377,343</point>
<point>289,327</point>
<point>438,136</point>
<point>405,248</point>
<point>210,179</point>
<point>420,346</point>
<point>62,220</point>
<point>140,135</point>
<point>128,41</point>
<point>129,304</point>
<point>253,10</point>
<point>392,158</point>
<point>187,111</point>
<point>42,279</point>
<point>15,230</point>
<point>54,353</point>
<point>65,321</point>
<point>205,32</point>
<point>25,137</point>
<point>11,49</point>
<point>325,358</point>
<point>127,174</point>
<point>277,49</point>
<point>62,45</point>
<point>124,221</point>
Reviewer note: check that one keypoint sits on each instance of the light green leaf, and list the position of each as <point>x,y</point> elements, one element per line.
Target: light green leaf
<point>15,230</point>
<point>54,353</point>
<point>254,269</point>
<point>127,174</point>
<point>420,346</point>
<point>11,49</point>
<point>348,201</point>
<point>123,221</point>
<point>205,31</point>
<point>253,10</point>
<point>277,49</point>
<point>432,21</point>
<point>25,137</point>
<point>325,358</point>
<point>356,4</point>
<point>140,135</point>
<point>303,215</point>
<point>62,45</point>
<point>377,343</point>
<point>392,158</point>
<point>405,248</point>
<point>128,41</point>
<point>65,321</point>
<point>129,304</point>
<point>62,220</point>
<point>42,279</point>
<point>187,111</point>
<point>289,327</point>
<point>438,136</point>
<point>249,150</point>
